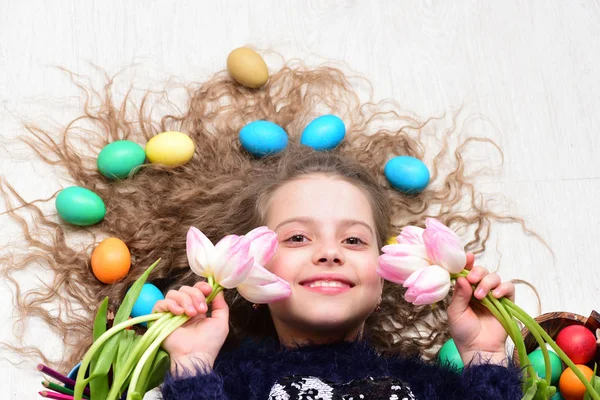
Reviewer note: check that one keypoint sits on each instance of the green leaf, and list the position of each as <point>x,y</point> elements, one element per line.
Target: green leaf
<point>145,373</point>
<point>125,346</point>
<point>160,366</point>
<point>99,385</point>
<point>100,320</point>
<point>108,352</point>
<point>531,390</point>
<point>595,381</point>
<point>133,293</point>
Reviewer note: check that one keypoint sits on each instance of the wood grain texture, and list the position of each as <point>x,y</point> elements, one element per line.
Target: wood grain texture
<point>530,67</point>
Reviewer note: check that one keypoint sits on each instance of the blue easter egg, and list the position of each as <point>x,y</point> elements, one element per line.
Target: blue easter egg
<point>407,174</point>
<point>144,304</point>
<point>324,133</point>
<point>261,138</point>
<point>80,206</point>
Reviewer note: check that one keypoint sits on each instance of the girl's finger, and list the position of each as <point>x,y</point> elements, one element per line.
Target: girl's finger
<point>470,261</point>
<point>488,283</point>
<point>220,309</point>
<point>184,300</point>
<point>198,299</point>
<point>204,287</point>
<point>506,289</point>
<point>476,274</point>
<point>168,305</point>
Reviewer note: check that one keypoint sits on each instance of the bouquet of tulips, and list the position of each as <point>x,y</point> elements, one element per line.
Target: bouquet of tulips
<point>138,364</point>
<point>427,261</point>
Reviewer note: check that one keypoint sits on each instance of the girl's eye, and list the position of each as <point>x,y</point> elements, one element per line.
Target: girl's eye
<point>296,239</point>
<point>354,241</point>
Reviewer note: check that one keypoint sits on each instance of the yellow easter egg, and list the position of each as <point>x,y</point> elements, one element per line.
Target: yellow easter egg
<point>170,148</point>
<point>247,67</point>
<point>392,240</point>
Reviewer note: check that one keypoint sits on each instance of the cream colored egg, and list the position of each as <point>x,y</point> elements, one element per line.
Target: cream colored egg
<point>247,67</point>
<point>170,148</point>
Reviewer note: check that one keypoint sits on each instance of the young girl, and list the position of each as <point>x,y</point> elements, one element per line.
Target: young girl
<point>332,212</point>
<point>331,219</point>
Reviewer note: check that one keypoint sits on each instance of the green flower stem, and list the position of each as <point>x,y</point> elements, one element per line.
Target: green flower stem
<point>173,323</point>
<point>506,320</point>
<point>170,325</point>
<point>492,308</point>
<point>82,381</point>
<point>135,354</point>
<point>211,281</point>
<point>533,325</point>
<point>516,337</point>
<point>216,289</point>
<point>538,338</point>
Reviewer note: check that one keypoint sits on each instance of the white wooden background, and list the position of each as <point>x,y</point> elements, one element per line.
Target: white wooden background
<point>530,67</point>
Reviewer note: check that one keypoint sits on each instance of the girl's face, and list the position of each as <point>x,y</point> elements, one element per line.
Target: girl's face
<point>328,253</point>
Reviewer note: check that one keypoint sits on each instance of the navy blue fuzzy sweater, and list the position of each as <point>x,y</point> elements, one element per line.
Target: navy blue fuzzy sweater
<point>336,371</point>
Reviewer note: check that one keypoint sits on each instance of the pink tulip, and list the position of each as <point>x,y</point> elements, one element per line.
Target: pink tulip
<point>262,286</point>
<point>399,261</point>
<point>263,244</point>
<point>443,246</point>
<point>427,286</point>
<point>411,235</point>
<point>229,262</point>
<point>236,262</point>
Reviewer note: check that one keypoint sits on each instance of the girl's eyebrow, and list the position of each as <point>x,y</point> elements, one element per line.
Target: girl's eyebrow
<point>311,221</point>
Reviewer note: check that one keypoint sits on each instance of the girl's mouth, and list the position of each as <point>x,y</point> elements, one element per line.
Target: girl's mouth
<point>327,286</point>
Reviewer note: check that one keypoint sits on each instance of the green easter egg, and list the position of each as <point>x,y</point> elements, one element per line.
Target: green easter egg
<point>450,357</point>
<point>80,206</point>
<point>119,159</point>
<point>557,396</point>
<point>537,362</point>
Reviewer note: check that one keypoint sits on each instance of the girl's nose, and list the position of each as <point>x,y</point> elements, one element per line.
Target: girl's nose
<point>329,255</point>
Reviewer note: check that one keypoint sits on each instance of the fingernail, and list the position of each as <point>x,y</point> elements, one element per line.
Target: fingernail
<point>480,293</point>
<point>203,305</point>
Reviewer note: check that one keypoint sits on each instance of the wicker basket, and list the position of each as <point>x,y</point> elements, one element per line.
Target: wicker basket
<point>555,321</point>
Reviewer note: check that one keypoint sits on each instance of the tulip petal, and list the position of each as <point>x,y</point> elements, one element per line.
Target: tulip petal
<point>433,225</point>
<point>268,293</point>
<point>232,262</point>
<point>199,250</point>
<point>444,251</point>
<point>443,246</point>
<point>427,286</point>
<point>411,235</point>
<point>398,269</point>
<point>406,250</point>
<point>263,244</point>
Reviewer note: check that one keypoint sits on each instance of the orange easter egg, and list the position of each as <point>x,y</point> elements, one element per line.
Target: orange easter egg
<point>111,260</point>
<point>569,384</point>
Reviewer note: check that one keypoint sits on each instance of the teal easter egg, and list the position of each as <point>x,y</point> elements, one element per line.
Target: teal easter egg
<point>119,159</point>
<point>557,396</point>
<point>450,357</point>
<point>80,206</point>
<point>536,358</point>
<point>144,304</point>
<point>324,133</point>
<point>407,174</point>
<point>261,138</point>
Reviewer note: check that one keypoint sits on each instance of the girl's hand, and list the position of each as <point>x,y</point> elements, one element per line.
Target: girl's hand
<point>473,327</point>
<point>200,339</point>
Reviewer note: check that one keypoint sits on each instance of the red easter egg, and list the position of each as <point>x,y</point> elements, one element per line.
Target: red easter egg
<point>578,343</point>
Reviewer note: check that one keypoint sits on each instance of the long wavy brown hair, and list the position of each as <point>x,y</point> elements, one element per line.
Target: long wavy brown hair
<point>224,190</point>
